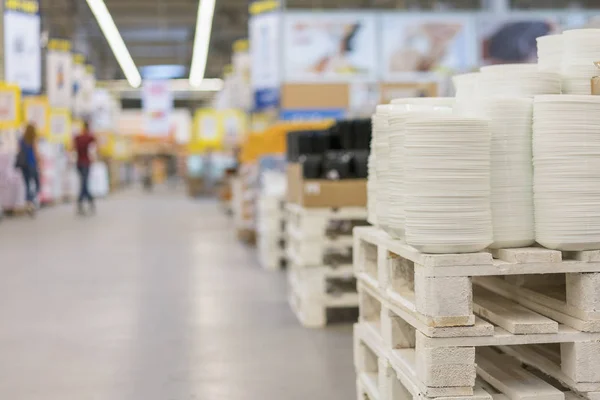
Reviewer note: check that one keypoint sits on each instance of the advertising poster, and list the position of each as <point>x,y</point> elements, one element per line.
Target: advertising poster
<point>513,40</point>
<point>59,73</point>
<point>416,46</point>
<point>88,87</point>
<point>234,126</point>
<point>60,125</point>
<point>157,103</point>
<point>330,47</point>
<point>103,113</point>
<point>22,50</point>
<point>265,59</point>
<point>10,106</point>
<point>208,130</point>
<point>78,78</point>
<point>37,112</point>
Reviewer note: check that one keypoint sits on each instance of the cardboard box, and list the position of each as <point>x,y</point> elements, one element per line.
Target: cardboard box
<point>316,193</point>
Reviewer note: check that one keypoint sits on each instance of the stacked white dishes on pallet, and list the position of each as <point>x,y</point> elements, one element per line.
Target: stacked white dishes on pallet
<point>447,180</point>
<point>465,87</point>
<point>550,53</point>
<point>427,101</point>
<point>523,80</point>
<point>581,49</point>
<point>566,158</point>
<point>372,185</point>
<point>382,156</point>
<point>399,113</point>
<point>511,170</point>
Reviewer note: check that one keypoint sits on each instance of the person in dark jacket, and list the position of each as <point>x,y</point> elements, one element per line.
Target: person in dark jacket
<point>83,146</point>
<point>29,166</point>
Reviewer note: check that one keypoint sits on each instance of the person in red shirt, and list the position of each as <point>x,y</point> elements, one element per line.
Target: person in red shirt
<point>83,145</point>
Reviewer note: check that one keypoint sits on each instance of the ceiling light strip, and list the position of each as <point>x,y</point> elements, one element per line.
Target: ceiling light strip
<point>115,41</point>
<point>206,10</point>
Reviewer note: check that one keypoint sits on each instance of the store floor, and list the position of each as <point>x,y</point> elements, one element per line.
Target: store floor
<point>153,299</point>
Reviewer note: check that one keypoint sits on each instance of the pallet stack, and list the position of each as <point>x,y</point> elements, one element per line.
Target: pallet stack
<point>505,324</point>
<point>271,232</point>
<point>321,277</point>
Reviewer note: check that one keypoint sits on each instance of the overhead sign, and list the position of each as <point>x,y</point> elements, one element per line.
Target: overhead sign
<point>157,102</point>
<point>78,78</point>
<point>59,73</point>
<point>22,50</point>
<point>265,59</point>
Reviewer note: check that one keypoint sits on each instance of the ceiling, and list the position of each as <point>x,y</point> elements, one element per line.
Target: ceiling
<point>162,31</point>
<point>156,32</point>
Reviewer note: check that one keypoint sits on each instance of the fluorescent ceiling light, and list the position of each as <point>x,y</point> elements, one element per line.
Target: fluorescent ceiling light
<point>115,41</point>
<point>206,9</point>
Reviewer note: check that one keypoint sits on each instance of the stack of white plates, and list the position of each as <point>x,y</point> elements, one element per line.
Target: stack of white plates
<point>372,185</point>
<point>447,178</point>
<point>581,49</point>
<point>427,101</point>
<point>398,115</point>
<point>566,157</point>
<point>550,53</point>
<point>382,155</point>
<point>511,170</point>
<point>521,80</point>
<point>465,88</point>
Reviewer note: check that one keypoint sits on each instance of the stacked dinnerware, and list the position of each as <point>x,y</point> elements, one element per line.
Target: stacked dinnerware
<point>465,87</point>
<point>382,156</point>
<point>511,170</point>
<point>399,112</point>
<point>550,52</point>
<point>566,158</point>
<point>581,49</point>
<point>427,101</point>
<point>447,181</point>
<point>372,185</point>
<point>523,80</point>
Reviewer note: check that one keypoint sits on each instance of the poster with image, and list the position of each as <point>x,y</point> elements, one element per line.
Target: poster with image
<point>59,73</point>
<point>37,113</point>
<point>265,59</point>
<point>22,49</point>
<point>157,102</point>
<point>512,40</point>
<point>418,46</point>
<point>10,106</point>
<point>328,46</point>
<point>78,78</point>
<point>60,125</point>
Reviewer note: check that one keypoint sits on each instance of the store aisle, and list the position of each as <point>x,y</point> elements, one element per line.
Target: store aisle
<point>153,299</point>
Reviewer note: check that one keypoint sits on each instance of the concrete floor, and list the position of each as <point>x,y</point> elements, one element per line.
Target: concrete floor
<point>153,299</point>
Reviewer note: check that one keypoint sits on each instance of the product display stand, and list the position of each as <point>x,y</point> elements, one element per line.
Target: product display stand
<point>428,322</point>
<point>321,278</point>
<point>271,232</point>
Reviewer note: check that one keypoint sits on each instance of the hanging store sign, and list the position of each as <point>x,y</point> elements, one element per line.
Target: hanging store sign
<point>10,106</point>
<point>157,102</point>
<point>59,73</point>
<point>265,59</point>
<point>37,112</point>
<point>22,50</point>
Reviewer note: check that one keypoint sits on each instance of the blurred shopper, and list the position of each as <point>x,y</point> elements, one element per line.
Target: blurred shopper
<point>28,163</point>
<point>84,145</point>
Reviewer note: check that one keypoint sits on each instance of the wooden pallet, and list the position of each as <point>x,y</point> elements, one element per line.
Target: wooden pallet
<point>394,374</point>
<point>316,293</point>
<point>323,222</point>
<point>438,289</point>
<point>315,314</point>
